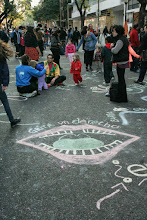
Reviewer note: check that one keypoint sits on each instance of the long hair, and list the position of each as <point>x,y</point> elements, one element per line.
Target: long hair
<point>5,51</point>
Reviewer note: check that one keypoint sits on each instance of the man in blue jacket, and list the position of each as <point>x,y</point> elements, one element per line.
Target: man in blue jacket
<point>26,78</point>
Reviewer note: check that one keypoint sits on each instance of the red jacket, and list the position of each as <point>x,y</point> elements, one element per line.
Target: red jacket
<point>75,67</point>
<point>134,39</point>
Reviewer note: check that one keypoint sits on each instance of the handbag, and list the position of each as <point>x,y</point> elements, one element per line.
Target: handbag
<point>144,55</point>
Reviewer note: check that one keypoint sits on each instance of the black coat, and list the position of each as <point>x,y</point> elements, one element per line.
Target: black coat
<point>4,73</point>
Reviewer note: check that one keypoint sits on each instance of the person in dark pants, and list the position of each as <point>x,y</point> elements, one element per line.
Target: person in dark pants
<point>5,52</point>
<point>135,43</point>
<point>142,51</point>
<point>90,42</point>
<point>121,57</point>
<point>55,47</point>
<point>16,41</point>
<point>107,60</point>
<point>27,78</point>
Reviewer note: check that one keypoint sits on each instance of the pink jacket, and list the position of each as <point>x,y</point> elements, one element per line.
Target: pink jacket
<point>70,48</point>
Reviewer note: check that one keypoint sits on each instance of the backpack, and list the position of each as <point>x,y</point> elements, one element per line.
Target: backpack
<point>114,92</point>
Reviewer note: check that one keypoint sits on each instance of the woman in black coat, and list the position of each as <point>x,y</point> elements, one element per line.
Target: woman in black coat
<point>121,57</point>
<point>55,46</point>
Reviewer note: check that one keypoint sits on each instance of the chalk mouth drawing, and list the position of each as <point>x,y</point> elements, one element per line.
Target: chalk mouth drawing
<point>97,148</point>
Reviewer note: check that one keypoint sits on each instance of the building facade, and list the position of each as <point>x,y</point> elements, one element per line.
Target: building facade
<point>110,12</point>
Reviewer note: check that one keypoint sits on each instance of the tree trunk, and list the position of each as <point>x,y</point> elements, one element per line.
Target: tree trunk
<point>82,21</point>
<point>142,14</point>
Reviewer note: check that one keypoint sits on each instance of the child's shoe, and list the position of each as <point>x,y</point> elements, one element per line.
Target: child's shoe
<point>49,85</point>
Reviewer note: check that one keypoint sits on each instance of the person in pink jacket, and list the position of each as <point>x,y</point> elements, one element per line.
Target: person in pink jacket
<point>70,50</point>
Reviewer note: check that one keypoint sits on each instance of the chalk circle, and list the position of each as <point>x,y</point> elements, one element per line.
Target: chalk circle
<point>127,180</point>
<point>115,162</point>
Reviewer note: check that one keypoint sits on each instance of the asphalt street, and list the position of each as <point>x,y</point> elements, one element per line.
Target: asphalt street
<point>75,154</point>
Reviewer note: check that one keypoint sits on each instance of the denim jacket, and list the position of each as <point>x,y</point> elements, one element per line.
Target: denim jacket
<point>90,42</point>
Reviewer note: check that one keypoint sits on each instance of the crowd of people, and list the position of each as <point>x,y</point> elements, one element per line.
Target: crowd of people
<point>111,47</point>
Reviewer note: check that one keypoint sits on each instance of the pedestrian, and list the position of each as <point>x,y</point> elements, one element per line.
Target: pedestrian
<point>103,36</point>
<point>70,50</point>
<point>63,37</point>
<point>90,42</point>
<point>143,53</point>
<point>107,61</point>
<point>55,46</point>
<point>22,46</point>
<point>98,58</point>
<point>31,45</point>
<point>76,36</point>
<point>3,36</point>
<point>121,57</point>
<point>39,36</point>
<point>76,69</point>
<point>27,78</point>
<point>135,43</point>
<point>16,41</point>
<point>5,53</point>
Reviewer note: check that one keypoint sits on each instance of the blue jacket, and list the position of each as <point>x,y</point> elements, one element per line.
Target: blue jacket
<point>90,42</point>
<point>24,74</point>
<point>4,73</point>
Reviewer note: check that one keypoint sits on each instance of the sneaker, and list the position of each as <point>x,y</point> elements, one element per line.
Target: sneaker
<point>107,94</point>
<point>141,83</point>
<point>76,84</point>
<point>94,71</point>
<point>29,95</point>
<point>15,122</point>
<point>49,85</point>
<point>106,84</point>
<point>60,84</point>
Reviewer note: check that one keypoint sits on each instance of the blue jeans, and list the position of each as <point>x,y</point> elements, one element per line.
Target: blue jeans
<point>4,100</point>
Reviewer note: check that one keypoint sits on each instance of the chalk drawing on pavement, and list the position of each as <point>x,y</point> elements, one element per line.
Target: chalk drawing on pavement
<point>80,144</point>
<point>144,98</point>
<point>99,89</point>
<point>135,88</point>
<point>141,171</point>
<point>123,118</point>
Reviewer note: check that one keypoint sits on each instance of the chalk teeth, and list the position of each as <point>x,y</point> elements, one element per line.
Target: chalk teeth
<point>82,152</point>
<point>86,131</point>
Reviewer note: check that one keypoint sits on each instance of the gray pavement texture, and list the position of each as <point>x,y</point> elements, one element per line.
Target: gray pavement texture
<point>75,154</point>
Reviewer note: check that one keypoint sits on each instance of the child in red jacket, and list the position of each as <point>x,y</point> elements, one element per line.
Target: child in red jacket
<point>76,69</point>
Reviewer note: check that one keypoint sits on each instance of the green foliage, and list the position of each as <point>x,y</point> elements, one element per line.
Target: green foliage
<point>47,10</point>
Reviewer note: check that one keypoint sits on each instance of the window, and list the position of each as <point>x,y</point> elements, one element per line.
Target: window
<point>133,4</point>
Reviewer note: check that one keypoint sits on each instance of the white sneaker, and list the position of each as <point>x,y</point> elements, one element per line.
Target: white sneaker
<point>28,95</point>
<point>106,84</point>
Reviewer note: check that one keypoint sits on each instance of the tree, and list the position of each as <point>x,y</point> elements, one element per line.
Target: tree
<point>142,12</point>
<point>8,6</point>
<point>82,6</point>
<point>47,10</point>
